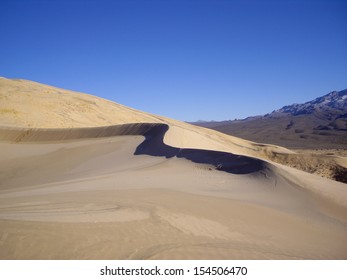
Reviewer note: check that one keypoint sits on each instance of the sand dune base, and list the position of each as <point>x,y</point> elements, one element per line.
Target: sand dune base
<point>210,229</point>
<point>96,199</point>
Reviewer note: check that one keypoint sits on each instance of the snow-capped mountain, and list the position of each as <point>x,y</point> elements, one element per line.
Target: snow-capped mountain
<point>336,100</point>
<point>320,123</point>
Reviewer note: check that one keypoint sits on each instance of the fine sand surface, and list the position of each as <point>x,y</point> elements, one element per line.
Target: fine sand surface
<point>147,187</point>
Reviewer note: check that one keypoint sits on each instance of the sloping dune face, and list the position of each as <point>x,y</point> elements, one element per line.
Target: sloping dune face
<point>29,104</point>
<point>146,187</point>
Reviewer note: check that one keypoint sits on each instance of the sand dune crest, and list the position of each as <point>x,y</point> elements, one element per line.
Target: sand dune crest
<point>92,179</point>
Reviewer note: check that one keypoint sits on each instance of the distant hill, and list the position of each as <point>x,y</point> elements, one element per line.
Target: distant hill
<point>320,123</point>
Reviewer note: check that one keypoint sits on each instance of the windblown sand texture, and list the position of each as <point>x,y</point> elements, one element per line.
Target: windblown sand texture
<point>85,178</point>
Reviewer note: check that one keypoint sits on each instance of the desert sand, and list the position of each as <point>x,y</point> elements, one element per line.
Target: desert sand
<point>86,178</point>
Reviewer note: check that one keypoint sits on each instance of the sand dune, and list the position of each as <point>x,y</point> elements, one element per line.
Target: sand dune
<point>139,186</point>
<point>27,104</point>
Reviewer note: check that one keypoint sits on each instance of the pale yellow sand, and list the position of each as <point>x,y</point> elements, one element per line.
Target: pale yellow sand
<point>84,194</point>
<point>28,104</point>
<point>94,199</point>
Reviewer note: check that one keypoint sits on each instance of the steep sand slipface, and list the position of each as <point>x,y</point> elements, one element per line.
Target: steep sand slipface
<point>27,104</point>
<point>158,189</point>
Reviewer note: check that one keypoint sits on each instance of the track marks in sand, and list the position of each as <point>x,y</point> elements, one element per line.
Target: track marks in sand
<point>73,213</point>
<point>197,226</point>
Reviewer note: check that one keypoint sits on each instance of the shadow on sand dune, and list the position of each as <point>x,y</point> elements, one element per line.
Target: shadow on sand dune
<point>154,145</point>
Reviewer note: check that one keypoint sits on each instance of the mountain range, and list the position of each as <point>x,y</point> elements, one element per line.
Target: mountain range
<point>320,123</point>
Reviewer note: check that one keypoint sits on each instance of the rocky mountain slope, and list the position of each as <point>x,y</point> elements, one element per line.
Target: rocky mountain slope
<point>320,123</point>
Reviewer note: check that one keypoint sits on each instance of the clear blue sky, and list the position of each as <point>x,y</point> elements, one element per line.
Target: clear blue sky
<point>188,59</point>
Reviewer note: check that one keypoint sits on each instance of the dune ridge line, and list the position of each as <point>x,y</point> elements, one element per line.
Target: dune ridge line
<point>153,144</point>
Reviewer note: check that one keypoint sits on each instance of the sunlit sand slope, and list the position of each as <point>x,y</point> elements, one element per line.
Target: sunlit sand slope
<point>27,104</point>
